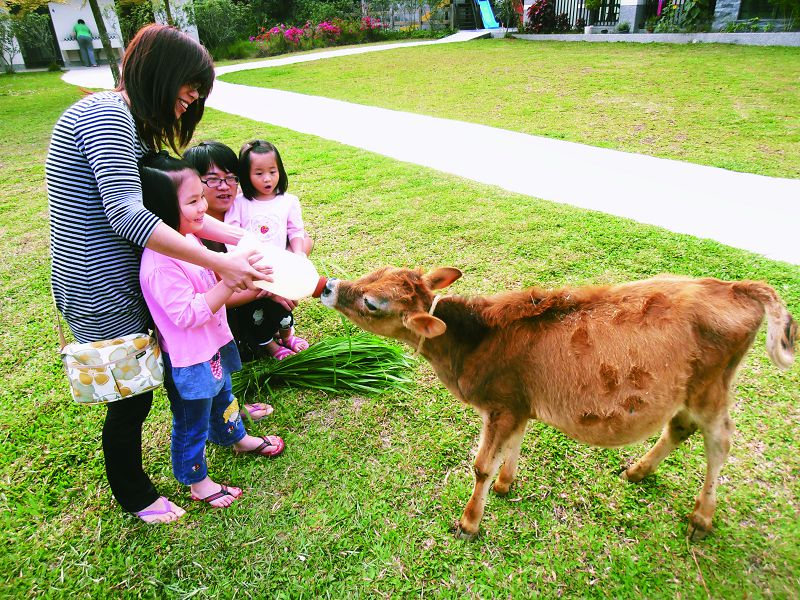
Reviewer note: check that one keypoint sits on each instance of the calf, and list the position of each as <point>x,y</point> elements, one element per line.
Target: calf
<point>607,365</point>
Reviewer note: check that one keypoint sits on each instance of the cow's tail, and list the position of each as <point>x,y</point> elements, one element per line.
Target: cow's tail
<point>781,327</point>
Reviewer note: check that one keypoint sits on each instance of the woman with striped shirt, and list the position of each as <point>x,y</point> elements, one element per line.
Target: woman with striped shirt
<point>98,224</point>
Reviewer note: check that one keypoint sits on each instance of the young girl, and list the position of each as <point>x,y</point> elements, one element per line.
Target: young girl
<point>188,306</point>
<point>265,210</point>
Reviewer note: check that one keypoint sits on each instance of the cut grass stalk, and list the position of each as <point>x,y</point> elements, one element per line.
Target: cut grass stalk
<point>360,363</point>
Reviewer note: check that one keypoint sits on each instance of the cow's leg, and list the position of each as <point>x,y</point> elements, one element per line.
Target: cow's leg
<point>497,428</point>
<point>717,441</point>
<point>680,427</point>
<point>509,469</point>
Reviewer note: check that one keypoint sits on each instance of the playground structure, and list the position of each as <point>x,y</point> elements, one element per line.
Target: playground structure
<point>464,14</point>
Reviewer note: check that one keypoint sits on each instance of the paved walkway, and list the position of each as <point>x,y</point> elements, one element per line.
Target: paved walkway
<point>756,213</point>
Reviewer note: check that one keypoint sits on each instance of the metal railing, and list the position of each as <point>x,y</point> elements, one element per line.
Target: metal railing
<point>608,13</point>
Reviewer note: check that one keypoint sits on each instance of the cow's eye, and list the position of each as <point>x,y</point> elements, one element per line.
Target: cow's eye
<point>370,306</point>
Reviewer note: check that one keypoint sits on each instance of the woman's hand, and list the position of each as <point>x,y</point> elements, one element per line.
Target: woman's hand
<point>237,270</point>
<point>287,304</point>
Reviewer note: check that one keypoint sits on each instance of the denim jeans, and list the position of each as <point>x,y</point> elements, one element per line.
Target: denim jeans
<point>86,48</point>
<point>196,421</point>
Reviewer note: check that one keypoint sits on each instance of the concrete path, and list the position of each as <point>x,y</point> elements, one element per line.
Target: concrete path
<point>756,213</point>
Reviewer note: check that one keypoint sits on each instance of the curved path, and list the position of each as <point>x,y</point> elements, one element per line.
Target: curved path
<point>753,212</point>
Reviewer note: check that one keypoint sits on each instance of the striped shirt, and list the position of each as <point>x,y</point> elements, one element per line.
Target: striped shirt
<point>98,224</point>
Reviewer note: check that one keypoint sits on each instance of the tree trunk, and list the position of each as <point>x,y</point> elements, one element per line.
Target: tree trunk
<point>103,33</point>
<point>168,11</point>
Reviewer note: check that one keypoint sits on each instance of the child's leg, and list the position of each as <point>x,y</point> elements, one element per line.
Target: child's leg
<point>227,428</point>
<point>190,419</point>
<point>190,430</point>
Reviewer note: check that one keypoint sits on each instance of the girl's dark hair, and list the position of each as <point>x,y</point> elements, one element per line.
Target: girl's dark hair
<point>158,61</point>
<point>161,176</point>
<point>259,147</point>
<point>205,154</point>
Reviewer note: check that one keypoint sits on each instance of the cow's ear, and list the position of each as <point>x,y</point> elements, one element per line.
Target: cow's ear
<point>424,324</point>
<point>440,278</point>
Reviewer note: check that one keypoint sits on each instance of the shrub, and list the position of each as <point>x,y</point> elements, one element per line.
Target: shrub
<point>624,27</point>
<point>233,51</point>
<point>541,17</point>
<point>562,23</point>
<point>220,22</point>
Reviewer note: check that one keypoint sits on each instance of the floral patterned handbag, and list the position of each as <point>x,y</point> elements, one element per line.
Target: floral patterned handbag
<point>109,370</point>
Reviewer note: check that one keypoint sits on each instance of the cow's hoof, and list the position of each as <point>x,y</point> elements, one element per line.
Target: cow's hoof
<point>460,533</point>
<point>630,475</point>
<point>501,489</point>
<point>695,533</point>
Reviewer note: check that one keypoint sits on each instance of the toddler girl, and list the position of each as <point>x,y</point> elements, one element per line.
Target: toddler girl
<point>187,304</point>
<point>270,214</point>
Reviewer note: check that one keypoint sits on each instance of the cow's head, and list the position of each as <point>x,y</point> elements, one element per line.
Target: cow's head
<point>391,302</point>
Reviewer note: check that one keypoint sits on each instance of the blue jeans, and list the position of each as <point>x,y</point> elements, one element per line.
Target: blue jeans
<point>86,48</point>
<point>196,421</point>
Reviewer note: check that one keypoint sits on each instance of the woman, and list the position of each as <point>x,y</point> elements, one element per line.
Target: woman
<point>98,224</point>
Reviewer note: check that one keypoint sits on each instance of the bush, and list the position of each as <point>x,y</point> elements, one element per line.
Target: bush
<point>220,23</point>
<point>624,27</point>
<point>234,50</point>
<point>541,17</point>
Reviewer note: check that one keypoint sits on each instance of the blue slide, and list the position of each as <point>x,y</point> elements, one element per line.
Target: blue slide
<point>487,15</point>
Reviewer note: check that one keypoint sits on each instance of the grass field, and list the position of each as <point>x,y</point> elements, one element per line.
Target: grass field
<point>361,502</point>
<point>734,107</point>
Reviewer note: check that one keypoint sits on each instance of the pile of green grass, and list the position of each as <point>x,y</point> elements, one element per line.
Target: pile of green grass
<point>360,503</point>
<point>359,363</point>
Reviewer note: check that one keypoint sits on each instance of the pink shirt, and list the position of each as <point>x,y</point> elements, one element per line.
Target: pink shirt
<point>175,294</point>
<point>272,221</point>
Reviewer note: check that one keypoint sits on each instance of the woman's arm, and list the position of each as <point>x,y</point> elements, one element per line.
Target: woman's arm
<point>235,269</point>
<point>218,231</point>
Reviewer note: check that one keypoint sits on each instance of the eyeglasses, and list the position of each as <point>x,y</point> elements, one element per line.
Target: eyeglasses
<point>215,182</point>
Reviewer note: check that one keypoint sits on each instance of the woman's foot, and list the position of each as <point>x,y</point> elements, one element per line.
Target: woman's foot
<point>268,445</point>
<point>256,411</point>
<point>160,511</point>
<point>215,494</point>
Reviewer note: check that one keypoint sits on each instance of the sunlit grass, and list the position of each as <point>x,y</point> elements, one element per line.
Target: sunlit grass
<point>734,107</point>
<point>360,503</point>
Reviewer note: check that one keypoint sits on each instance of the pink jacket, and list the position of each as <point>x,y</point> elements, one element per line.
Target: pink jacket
<point>175,294</point>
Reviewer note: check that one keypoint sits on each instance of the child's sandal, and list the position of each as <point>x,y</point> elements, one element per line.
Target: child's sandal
<point>293,343</point>
<point>282,352</point>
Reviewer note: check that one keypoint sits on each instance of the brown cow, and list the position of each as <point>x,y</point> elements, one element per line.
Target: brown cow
<point>607,365</point>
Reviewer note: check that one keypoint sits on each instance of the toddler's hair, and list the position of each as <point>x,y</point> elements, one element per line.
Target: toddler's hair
<point>161,176</point>
<point>205,154</point>
<point>259,147</point>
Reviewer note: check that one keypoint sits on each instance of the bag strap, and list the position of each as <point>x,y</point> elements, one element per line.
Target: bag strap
<point>57,319</point>
<point>58,322</point>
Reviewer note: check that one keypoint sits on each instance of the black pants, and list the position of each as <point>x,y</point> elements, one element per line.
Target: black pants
<point>255,323</point>
<point>122,449</point>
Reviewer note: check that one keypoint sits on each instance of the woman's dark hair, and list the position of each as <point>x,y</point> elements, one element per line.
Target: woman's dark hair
<point>259,147</point>
<point>205,154</point>
<point>158,61</point>
<point>161,176</point>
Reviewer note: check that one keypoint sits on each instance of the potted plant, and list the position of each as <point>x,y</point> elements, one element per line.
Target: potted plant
<point>650,24</point>
<point>593,6</point>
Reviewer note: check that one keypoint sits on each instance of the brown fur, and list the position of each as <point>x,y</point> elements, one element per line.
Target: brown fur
<point>607,365</point>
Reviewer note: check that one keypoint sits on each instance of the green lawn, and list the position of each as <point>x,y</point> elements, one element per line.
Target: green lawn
<point>361,502</point>
<point>735,107</point>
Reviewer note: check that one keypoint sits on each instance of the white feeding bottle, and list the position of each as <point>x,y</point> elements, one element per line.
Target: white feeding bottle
<point>294,276</point>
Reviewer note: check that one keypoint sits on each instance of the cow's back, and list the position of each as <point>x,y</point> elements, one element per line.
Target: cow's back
<point>612,368</point>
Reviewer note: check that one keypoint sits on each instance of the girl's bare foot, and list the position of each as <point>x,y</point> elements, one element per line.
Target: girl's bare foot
<point>215,494</point>
<point>160,511</point>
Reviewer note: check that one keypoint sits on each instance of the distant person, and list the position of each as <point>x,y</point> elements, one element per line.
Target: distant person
<point>188,306</point>
<point>85,43</point>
